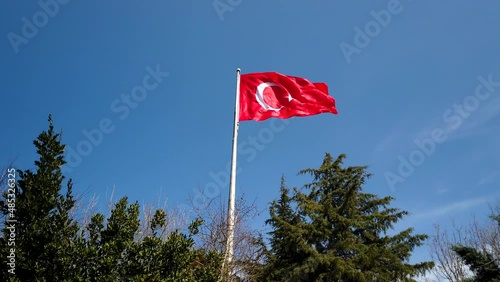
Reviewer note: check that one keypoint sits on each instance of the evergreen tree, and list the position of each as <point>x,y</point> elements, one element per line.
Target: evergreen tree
<point>50,245</point>
<point>45,229</point>
<point>112,254</point>
<point>485,265</point>
<point>332,231</point>
<point>288,245</point>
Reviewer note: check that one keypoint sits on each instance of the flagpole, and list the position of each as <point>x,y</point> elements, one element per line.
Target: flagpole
<point>232,185</point>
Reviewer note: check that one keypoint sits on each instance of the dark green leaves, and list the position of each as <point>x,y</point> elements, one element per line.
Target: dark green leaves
<point>332,231</point>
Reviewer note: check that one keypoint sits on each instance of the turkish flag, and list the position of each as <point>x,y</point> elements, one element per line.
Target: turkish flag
<point>271,94</point>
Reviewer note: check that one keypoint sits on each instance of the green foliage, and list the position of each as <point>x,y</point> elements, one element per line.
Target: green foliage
<point>329,231</point>
<point>51,246</point>
<point>112,253</point>
<point>335,232</point>
<point>485,265</point>
<point>45,230</point>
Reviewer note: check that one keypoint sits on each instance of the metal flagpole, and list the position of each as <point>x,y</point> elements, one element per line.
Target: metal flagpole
<point>232,185</point>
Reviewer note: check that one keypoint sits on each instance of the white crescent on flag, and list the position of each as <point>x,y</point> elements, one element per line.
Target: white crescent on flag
<point>259,94</point>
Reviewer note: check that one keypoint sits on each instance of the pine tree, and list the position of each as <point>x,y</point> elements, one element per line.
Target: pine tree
<point>332,231</point>
<point>288,246</point>
<point>51,246</point>
<point>45,229</point>
<point>112,253</point>
<point>485,265</point>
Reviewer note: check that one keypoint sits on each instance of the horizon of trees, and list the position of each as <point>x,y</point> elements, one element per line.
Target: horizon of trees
<point>327,230</point>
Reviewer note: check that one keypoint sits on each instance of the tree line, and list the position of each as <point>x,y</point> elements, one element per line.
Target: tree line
<point>327,230</point>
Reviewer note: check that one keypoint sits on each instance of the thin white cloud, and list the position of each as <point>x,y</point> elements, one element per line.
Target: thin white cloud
<point>487,179</point>
<point>476,124</point>
<point>489,111</point>
<point>386,143</point>
<point>441,190</point>
<point>472,126</point>
<point>453,207</point>
<point>441,186</point>
<point>475,132</point>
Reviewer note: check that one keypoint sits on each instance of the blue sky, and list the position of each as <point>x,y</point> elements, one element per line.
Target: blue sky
<point>402,73</point>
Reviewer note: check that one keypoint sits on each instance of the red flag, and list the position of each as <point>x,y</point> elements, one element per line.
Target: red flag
<point>270,94</point>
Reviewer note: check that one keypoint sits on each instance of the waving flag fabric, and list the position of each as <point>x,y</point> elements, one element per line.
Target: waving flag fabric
<point>271,94</point>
